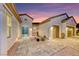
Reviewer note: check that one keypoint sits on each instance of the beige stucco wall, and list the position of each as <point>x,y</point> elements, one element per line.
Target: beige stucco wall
<point>27,23</point>
<point>1,28</point>
<point>6,43</point>
<point>44,29</point>
<point>71,23</point>
<point>35,28</point>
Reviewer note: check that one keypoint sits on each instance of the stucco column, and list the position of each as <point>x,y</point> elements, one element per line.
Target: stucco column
<point>66,32</point>
<point>30,32</point>
<point>19,31</point>
<point>60,31</point>
<point>51,33</point>
<point>63,30</point>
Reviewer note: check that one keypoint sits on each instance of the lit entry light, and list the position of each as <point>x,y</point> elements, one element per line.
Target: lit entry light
<point>51,28</point>
<point>30,29</point>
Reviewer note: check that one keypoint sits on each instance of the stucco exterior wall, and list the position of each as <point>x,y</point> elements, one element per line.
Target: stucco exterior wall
<point>57,20</point>
<point>27,23</point>
<point>6,42</point>
<point>35,28</point>
<point>0,28</point>
<point>71,22</point>
<point>44,29</point>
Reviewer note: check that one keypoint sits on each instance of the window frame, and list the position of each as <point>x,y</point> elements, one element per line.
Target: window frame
<point>9,25</point>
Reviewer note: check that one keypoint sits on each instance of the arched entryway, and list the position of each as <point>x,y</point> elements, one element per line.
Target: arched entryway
<point>54,32</point>
<point>70,31</point>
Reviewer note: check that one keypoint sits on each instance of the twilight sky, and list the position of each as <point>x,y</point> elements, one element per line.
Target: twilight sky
<point>42,11</point>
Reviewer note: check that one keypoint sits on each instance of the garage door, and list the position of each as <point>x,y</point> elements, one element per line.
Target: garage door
<point>70,31</point>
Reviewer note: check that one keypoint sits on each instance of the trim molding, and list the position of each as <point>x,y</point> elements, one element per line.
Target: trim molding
<point>53,17</point>
<point>12,8</point>
<point>26,15</point>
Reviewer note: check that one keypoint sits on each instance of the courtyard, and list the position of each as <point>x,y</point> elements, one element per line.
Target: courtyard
<point>54,47</point>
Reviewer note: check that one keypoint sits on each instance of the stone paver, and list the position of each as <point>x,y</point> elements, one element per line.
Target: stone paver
<point>38,48</point>
<point>28,47</point>
<point>12,50</point>
<point>67,51</point>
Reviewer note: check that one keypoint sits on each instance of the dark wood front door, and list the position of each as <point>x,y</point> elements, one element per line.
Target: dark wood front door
<point>55,31</point>
<point>70,31</point>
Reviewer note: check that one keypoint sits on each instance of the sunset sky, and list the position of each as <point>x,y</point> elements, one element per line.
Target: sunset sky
<point>42,11</point>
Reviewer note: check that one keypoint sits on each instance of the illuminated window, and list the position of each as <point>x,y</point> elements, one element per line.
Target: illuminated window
<point>8,25</point>
<point>25,31</point>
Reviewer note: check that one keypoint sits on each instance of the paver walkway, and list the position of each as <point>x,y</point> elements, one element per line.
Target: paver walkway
<point>56,47</point>
<point>67,51</point>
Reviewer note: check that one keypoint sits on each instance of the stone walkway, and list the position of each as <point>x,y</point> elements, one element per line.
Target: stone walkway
<point>67,51</point>
<point>56,47</point>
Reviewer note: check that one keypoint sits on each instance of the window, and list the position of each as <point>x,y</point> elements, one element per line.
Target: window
<point>25,20</point>
<point>25,31</point>
<point>8,25</point>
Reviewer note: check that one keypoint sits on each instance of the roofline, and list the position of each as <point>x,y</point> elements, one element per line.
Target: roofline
<point>36,23</point>
<point>53,17</point>
<point>47,20</point>
<point>74,19</point>
<point>26,15</point>
<point>69,18</point>
<point>58,15</point>
<point>64,20</point>
<point>12,8</point>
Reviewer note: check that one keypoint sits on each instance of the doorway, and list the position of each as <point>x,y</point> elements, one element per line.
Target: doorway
<point>55,31</point>
<point>70,31</point>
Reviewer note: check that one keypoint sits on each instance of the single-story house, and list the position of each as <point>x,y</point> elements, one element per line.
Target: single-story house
<point>26,25</point>
<point>9,27</point>
<point>60,26</point>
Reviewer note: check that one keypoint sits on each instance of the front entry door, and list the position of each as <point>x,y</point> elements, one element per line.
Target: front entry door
<point>55,31</point>
<point>70,32</point>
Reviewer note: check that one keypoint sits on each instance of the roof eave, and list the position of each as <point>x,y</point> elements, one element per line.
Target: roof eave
<point>26,15</point>
<point>12,8</point>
